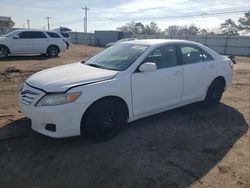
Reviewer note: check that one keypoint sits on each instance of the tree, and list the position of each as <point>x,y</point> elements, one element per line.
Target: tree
<point>244,23</point>
<point>229,28</point>
<point>203,32</point>
<point>139,28</point>
<point>152,29</point>
<point>135,28</point>
<point>192,30</point>
<point>176,30</point>
<point>172,30</point>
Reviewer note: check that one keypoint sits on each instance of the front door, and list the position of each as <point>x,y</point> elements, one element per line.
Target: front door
<point>161,88</point>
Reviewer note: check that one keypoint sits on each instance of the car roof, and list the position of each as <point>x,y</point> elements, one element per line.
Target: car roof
<point>152,42</point>
<point>20,30</point>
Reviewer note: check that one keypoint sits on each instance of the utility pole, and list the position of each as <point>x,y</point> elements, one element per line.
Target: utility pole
<point>48,18</point>
<point>85,18</point>
<point>28,22</point>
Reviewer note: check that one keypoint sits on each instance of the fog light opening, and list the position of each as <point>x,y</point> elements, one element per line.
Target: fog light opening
<point>50,127</point>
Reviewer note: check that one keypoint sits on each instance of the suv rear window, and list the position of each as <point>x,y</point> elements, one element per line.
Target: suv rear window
<point>66,35</point>
<point>31,35</point>
<point>53,35</point>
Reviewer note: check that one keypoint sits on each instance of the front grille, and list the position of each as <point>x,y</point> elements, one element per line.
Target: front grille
<point>28,96</point>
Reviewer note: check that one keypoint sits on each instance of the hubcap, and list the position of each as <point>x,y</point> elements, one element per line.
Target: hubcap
<point>53,51</point>
<point>3,52</point>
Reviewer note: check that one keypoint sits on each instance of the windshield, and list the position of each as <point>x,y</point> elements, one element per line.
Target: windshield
<point>118,57</point>
<point>10,34</point>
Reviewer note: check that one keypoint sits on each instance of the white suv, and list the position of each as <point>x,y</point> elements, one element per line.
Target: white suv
<point>125,82</point>
<point>31,42</point>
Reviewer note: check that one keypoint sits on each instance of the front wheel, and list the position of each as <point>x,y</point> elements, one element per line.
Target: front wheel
<point>3,52</point>
<point>214,94</point>
<point>53,51</point>
<point>104,119</point>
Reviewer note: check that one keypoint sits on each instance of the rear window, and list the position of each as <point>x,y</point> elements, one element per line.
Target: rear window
<point>66,35</point>
<point>53,35</point>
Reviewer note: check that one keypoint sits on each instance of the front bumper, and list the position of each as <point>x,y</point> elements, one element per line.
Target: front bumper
<point>66,117</point>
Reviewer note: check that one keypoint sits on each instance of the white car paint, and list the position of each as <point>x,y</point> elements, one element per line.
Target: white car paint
<point>145,93</point>
<point>30,46</point>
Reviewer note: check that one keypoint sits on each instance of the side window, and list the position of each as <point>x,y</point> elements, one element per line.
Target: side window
<point>39,35</point>
<point>31,35</point>
<point>25,35</point>
<point>53,35</point>
<point>206,56</point>
<point>190,54</point>
<point>163,57</point>
<point>66,35</point>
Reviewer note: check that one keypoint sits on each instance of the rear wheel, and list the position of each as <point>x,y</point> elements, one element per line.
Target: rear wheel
<point>4,52</point>
<point>104,119</point>
<point>214,93</point>
<point>53,51</point>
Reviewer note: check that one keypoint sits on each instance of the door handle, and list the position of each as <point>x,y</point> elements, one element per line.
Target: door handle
<point>177,73</point>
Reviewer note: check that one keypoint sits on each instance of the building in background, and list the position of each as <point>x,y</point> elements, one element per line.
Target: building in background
<point>5,24</point>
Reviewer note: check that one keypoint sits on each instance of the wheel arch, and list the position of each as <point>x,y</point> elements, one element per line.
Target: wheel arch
<point>53,45</point>
<point>221,79</point>
<point>110,97</point>
<point>6,47</point>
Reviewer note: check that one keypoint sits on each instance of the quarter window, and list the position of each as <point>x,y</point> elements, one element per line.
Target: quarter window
<point>190,54</point>
<point>163,57</point>
<point>206,56</point>
<point>31,35</point>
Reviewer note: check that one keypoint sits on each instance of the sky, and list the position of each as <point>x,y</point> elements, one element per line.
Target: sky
<point>110,14</point>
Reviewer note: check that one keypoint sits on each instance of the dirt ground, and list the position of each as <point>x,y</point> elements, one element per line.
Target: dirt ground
<point>187,147</point>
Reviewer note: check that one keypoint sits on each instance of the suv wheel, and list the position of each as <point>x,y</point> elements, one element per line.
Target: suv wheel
<point>53,51</point>
<point>3,52</point>
<point>214,93</point>
<point>104,119</point>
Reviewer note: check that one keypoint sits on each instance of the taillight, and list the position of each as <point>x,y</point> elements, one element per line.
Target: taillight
<point>231,64</point>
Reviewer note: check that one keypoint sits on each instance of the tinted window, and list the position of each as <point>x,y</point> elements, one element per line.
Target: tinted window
<point>66,35</point>
<point>53,35</point>
<point>207,56</point>
<point>163,57</point>
<point>190,54</point>
<point>32,35</point>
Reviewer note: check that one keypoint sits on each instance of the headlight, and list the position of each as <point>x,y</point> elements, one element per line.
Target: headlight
<point>57,99</point>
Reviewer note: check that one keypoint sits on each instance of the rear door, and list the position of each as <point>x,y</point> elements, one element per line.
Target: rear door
<point>40,42</point>
<point>199,70</point>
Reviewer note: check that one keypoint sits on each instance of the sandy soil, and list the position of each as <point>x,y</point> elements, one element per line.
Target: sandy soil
<point>187,147</point>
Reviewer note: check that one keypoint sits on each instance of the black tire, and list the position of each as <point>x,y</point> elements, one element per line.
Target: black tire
<point>104,119</point>
<point>53,51</point>
<point>4,52</point>
<point>214,93</point>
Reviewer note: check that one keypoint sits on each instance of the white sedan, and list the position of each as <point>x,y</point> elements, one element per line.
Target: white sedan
<point>31,42</point>
<point>123,83</point>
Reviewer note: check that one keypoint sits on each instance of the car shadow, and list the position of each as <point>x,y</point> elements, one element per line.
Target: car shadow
<point>172,149</point>
<point>26,57</point>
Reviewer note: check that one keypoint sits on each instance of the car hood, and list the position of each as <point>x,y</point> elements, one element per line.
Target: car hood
<point>61,78</point>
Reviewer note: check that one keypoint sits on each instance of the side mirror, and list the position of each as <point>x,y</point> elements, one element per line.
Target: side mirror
<point>148,67</point>
<point>16,37</point>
